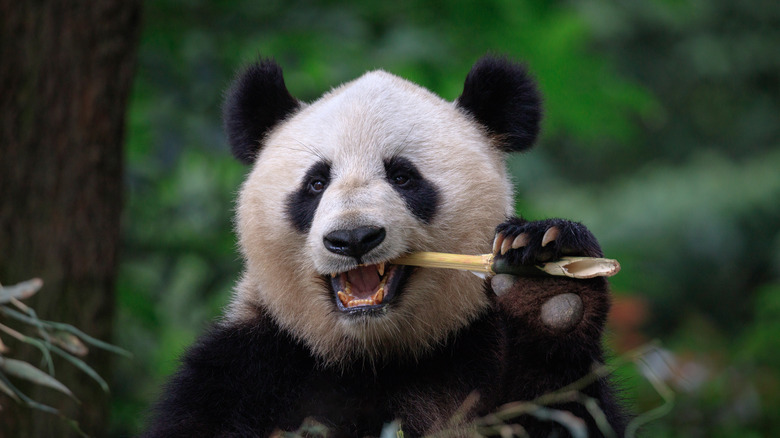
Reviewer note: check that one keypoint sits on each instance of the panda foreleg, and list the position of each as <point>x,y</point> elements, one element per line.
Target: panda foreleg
<point>554,325</point>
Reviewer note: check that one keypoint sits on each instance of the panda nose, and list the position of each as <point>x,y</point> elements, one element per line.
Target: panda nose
<point>355,242</point>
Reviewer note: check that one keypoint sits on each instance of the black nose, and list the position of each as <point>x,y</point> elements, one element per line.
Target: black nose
<point>356,242</point>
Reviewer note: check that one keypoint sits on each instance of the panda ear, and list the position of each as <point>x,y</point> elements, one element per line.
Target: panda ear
<point>501,96</point>
<point>256,101</point>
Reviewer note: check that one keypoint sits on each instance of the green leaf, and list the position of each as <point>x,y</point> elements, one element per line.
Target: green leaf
<point>32,341</point>
<point>80,364</point>
<point>66,328</point>
<point>27,400</point>
<point>8,390</point>
<point>89,339</point>
<point>24,370</point>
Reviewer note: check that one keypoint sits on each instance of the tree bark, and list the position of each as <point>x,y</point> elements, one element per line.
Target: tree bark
<point>65,75</point>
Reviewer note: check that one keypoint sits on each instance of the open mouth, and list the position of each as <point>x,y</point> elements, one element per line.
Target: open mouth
<point>368,287</point>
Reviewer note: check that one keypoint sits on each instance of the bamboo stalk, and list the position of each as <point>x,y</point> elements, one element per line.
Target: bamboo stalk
<point>464,262</point>
<point>574,267</point>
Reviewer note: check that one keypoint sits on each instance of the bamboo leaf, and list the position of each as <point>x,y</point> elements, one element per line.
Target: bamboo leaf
<point>70,343</point>
<point>27,400</point>
<point>41,407</point>
<point>32,341</point>
<point>8,390</point>
<point>80,364</point>
<point>573,424</point>
<point>19,316</point>
<point>66,328</point>
<point>24,370</point>
<point>30,312</point>
<point>666,393</point>
<point>595,411</point>
<point>89,339</point>
<point>20,291</point>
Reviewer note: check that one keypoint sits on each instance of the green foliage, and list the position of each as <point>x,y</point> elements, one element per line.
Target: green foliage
<point>760,344</point>
<point>660,134</point>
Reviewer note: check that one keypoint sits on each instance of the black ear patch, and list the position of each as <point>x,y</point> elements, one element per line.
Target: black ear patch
<point>502,96</point>
<point>256,102</point>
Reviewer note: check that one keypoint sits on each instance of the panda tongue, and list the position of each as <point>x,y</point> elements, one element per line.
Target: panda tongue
<point>364,281</point>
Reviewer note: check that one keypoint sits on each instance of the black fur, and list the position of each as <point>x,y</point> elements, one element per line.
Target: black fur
<point>502,97</point>
<point>256,102</point>
<point>573,240</point>
<point>248,380</point>
<point>421,196</point>
<point>565,356</point>
<point>302,203</point>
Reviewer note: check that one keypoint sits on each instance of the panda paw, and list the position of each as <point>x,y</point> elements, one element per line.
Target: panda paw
<point>521,242</point>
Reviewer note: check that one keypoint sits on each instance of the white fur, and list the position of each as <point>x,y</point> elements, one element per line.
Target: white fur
<point>356,127</point>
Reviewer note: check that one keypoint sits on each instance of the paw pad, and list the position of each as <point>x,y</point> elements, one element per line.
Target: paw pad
<point>502,283</point>
<point>562,312</point>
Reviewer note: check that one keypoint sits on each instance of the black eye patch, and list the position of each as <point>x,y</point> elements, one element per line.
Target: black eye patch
<point>420,195</point>
<point>302,203</point>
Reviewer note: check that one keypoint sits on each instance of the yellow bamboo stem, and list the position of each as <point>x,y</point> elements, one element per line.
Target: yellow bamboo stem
<point>574,267</point>
<point>464,262</point>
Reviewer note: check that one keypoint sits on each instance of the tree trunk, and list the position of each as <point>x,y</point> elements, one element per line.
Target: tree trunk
<point>65,75</point>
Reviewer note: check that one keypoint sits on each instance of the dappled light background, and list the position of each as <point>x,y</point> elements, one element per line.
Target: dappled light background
<point>661,134</point>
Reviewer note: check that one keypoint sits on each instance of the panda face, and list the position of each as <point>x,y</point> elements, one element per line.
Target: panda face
<point>354,226</point>
<point>375,169</point>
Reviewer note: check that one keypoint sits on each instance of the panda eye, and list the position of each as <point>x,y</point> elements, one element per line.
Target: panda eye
<point>400,179</point>
<point>317,186</point>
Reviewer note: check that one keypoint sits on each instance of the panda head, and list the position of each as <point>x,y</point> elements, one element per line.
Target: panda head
<point>376,168</point>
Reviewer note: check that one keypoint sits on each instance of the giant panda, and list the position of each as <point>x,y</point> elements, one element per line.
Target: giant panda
<point>324,327</point>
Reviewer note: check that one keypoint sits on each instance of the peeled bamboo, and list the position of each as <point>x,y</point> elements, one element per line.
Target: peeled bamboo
<point>574,267</point>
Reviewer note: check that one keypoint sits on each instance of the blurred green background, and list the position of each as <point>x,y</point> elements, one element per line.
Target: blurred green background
<point>661,134</point>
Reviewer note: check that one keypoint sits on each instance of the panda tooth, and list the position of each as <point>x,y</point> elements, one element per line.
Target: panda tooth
<point>355,303</point>
<point>344,298</point>
<point>333,275</point>
<point>381,268</point>
<point>349,288</point>
<point>379,296</point>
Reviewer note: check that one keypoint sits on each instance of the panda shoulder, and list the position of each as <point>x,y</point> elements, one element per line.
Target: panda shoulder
<point>233,344</point>
<point>230,362</point>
